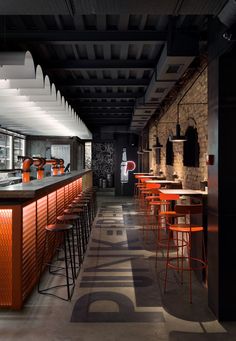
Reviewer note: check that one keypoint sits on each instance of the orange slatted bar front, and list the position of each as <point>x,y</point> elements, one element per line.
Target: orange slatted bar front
<point>22,232</point>
<point>5,256</point>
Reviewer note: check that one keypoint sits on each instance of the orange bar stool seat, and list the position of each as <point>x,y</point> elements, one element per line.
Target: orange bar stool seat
<point>185,261</point>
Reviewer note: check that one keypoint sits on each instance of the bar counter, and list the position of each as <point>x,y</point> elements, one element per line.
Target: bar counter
<point>25,210</point>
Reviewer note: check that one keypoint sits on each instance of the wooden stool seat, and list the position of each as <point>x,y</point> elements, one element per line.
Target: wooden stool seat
<point>73,210</point>
<point>66,217</point>
<point>58,227</point>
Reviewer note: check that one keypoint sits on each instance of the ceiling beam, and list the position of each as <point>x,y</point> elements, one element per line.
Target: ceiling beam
<point>84,111</point>
<point>106,119</point>
<point>80,104</point>
<point>125,95</point>
<point>103,82</point>
<point>74,65</point>
<point>60,37</point>
<point>111,116</point>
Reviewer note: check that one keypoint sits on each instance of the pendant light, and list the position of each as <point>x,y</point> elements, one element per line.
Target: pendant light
<point>140,148</point>
<point>140,151</point>
<point>178,137</point>
<point>146,149</point>
<point>157,145</point>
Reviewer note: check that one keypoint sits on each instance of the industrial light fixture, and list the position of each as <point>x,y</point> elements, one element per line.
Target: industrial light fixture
<point>178,137</point>
<point>140,148</point>
<point>140,151</point>
<point>146,149</point>
<point>157,145</point>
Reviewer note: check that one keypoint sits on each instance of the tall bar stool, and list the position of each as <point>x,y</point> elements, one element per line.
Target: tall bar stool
<point>143,192</point>
<point>152,191</point>
<point>165,216</point>
<point>136,185</point>
<point>77,251</point>
<point>81,224</point>
<point>86,199</point>
<point>91,193</point>
<point>94,191</point>
<point>86,217</point>
<point>62,235</point>
<point>185,261</point>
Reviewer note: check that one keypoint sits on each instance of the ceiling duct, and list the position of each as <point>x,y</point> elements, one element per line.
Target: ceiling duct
<point>227,17</point>
<point>228,14</point>
<point>168,71</point>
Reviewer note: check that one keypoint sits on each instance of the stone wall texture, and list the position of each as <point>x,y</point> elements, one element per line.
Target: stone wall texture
<point>190,114</point>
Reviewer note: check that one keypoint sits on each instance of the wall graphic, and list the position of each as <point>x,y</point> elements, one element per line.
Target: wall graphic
<point>102,160</point>
<point>125,168</point>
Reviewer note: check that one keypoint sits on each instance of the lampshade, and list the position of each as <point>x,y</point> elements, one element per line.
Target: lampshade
<point>147,150</point>
<point>158,145</point>
<point>140,151</point>
<point>178,137</point>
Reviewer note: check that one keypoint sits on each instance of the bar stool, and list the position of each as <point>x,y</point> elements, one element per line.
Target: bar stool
<point>86,200</point>
<point>152,191</point>
<point>73,220</point>
<point>83,227</point>
<point>87,220</point>
<point>62,234</point>
<point>94,191</point>
<point>185,261</point>
<point>165,216</point>
<point>143,192</point>
<point>91,195</point>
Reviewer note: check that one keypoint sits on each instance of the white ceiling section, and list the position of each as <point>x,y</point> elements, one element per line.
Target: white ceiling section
<point>30,104</point>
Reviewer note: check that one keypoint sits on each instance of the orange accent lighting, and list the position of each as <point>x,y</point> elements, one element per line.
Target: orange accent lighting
<point>6,257</point>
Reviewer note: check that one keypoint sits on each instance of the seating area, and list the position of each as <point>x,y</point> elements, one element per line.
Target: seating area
<point>119,290</point>
<point>117,162</point>
<point>168,217</point>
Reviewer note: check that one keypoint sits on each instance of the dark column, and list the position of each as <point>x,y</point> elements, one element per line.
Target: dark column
<point>222,180</point>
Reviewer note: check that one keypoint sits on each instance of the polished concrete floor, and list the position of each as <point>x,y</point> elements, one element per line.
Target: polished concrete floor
<point>119,293</point>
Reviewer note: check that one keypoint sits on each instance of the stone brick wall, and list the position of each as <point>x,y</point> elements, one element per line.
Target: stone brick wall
<point>190,176</point>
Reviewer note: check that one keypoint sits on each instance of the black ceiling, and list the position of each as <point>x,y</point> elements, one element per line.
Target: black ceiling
<point>101,54</point>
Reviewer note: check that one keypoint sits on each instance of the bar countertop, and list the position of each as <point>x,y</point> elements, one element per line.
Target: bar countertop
<point>37,187</point>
